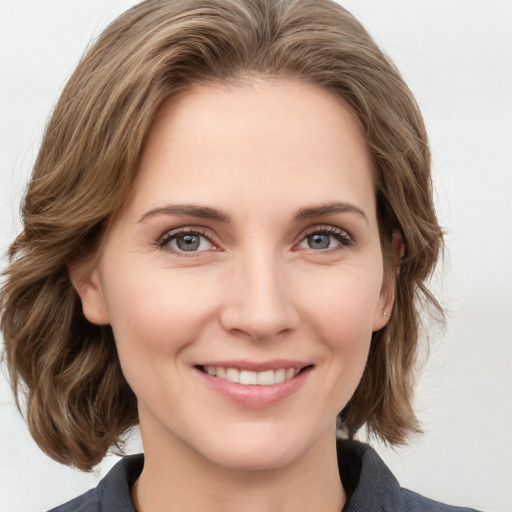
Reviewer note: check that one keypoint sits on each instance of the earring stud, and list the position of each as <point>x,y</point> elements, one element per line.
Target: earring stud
<point>384,313</point>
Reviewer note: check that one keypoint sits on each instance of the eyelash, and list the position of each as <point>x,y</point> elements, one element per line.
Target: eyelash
<point>168,237</point>
<point>344,239</point>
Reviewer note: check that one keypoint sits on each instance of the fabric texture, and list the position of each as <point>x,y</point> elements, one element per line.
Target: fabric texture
<point>368,482</point>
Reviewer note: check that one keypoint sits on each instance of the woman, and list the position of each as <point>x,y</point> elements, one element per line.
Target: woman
<point>225,234</point>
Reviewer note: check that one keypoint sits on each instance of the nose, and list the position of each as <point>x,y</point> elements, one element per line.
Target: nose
<point>258,302</point>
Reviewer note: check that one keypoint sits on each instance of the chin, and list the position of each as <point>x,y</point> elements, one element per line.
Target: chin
<point>258,451</point>
<point>257,459</point>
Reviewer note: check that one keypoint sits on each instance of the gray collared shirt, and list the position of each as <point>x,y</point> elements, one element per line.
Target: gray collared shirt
<point>368,482</point>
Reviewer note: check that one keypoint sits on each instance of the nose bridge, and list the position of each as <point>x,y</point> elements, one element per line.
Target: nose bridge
<point>260,303</point>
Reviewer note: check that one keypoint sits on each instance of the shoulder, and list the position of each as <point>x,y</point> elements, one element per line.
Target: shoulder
<point>87,502</point>
<point>371,486</point>
<point>112,493</point>
<point>417,503</point>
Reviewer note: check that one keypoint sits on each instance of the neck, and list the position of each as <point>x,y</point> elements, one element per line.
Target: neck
<point>178,479</point>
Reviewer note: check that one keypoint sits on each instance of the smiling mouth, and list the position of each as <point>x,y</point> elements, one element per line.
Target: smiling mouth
<point>250,378</point>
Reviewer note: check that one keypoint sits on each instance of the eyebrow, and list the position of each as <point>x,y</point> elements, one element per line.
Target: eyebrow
<point>206,212</point>
<point>329,208</point>
<point>189,210</point>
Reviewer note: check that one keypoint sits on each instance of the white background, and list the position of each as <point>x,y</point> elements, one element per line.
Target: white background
<point>456,56</point>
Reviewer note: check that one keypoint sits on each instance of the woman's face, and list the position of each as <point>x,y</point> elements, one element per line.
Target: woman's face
<point>243,278</point>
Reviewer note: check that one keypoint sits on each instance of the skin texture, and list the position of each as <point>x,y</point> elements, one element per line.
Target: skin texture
<point>254,290</point>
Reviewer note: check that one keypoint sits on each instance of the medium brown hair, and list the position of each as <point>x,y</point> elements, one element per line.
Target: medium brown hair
<point>78,402</point>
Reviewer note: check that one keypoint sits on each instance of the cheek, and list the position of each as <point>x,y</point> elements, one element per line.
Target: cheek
<point>341,314</point>
<point>345,301</point>
<point>155,312</point>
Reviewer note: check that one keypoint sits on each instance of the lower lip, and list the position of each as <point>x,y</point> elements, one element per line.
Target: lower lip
<point>255,396</point>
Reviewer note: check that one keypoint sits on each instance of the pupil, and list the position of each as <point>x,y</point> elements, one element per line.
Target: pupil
<point>188,242</point>
<point>318,241</point>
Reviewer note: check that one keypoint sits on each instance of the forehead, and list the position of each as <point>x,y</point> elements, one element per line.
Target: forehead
<point>255,140</point>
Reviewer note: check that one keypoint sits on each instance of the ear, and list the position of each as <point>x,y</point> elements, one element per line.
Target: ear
<point>86,282</point>
<point>387,293</point>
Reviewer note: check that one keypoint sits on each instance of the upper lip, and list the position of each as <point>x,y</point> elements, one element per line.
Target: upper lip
<point>253,366</point>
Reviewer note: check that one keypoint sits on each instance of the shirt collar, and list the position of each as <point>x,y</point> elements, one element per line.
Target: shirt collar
<point>368,482</point>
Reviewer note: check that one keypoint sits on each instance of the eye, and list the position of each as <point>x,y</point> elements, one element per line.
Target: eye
<point>321,239</point>
<point>185,241</point>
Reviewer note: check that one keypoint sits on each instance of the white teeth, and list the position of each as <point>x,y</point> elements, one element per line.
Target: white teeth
<point>233,375</point>
<point>279,375</point>
<point>266,377</point>
<point>247,377</point>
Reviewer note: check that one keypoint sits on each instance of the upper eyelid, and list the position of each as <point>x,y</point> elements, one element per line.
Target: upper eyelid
<point>328,228</point>
<point>172,233</point>
<point>324,227</point>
